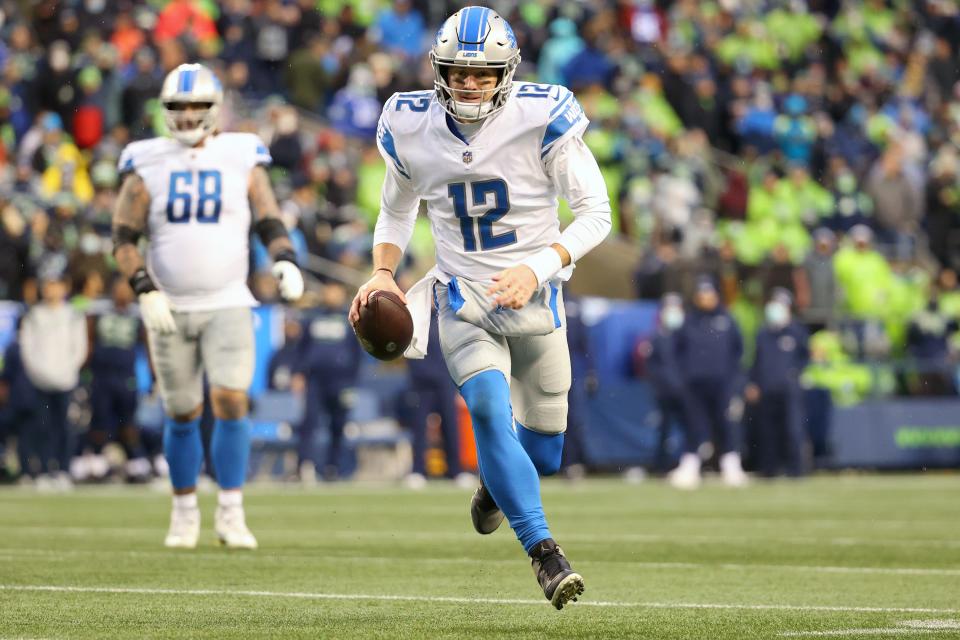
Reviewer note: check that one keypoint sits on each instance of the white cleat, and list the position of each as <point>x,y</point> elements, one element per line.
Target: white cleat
<point>231,528</point>
<point>731,470</point>
<point>687,474</point>
<point>184,529</point>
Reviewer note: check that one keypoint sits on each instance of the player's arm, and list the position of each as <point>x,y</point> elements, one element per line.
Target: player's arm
<point>129,223</point>
<point>398,215</point>
<point>576,176</point>
<point>273,235</point>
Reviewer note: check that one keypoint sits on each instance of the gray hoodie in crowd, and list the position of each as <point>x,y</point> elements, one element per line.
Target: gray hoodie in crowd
<point>53,346</point>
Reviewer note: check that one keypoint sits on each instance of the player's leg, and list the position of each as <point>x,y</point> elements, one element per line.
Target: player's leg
<point>137,467</point>
<point>728,412</point>
<point>227,350</point>
<point>338,412</point>
<point>176,362</point>
<point>306,450</point>
<point>541,381</point>
<point>479,364</point>
<point>686,475</point>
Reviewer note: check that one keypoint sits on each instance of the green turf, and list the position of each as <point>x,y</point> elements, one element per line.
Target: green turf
<point>828,555</point>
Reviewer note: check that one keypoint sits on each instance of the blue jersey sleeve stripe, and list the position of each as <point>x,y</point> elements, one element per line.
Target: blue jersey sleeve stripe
<point>555,131</point>
<point>386,141</point>
<point>553,305</point>
<point>127,165</point>
<point>562,104</point>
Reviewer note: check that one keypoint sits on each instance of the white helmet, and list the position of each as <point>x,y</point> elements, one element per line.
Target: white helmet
<point>191,84</point>
<point>474,37</point>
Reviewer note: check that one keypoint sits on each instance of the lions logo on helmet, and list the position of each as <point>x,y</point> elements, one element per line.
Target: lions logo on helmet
<point>191,97</point>
<point>474,37</point>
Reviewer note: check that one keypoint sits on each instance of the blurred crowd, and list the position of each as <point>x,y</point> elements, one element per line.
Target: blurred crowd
<point>809,146</point>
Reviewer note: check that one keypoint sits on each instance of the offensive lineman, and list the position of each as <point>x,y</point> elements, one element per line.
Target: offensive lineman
<point>489,157</point>
<point>195,194</point>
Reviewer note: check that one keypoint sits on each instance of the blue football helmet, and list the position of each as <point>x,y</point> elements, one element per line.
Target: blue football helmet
<point>191,97</point>
<point>474,37</point>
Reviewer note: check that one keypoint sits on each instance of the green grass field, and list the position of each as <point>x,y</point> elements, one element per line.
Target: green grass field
<point>838,556</point>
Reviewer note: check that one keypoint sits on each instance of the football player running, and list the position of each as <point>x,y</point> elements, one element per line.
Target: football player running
<point>196,195</point>
<point>490,156</point>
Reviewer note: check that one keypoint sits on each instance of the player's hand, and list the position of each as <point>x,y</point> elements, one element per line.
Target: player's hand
<point>751,393</point>
<point>156,313</point>
<point>382,280</point>
<point>298,383</point>
<point>289,279</point>
<point>513,287</point>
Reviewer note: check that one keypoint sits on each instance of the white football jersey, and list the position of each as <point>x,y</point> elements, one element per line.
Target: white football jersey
<point>490,201</point>
<point>199,221</point>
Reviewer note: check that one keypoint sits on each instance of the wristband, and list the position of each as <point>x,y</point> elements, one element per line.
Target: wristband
<point>545,264</point>
<point>390,271</point>
<point>286,254</point>
<point>141,282</point>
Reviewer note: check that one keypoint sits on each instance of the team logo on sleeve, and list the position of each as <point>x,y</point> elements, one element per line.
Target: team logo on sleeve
<point>467,157</point>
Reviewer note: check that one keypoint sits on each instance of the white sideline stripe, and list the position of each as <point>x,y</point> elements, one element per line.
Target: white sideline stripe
<point>696,539</point>
<point>463,600</point>
<point>899,631</point>
<point>13,553</point>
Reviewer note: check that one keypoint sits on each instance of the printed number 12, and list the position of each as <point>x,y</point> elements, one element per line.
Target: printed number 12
<point>501,205</point>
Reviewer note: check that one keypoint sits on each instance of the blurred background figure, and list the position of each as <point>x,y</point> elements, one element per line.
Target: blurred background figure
<point>774,386</point>
<point>670,391</point>
<point>115,334</point>
<point>431,407</point>
<point>583,386</point>
<point>53,348</point>
<point>326,369</point>
<point>710,347</point>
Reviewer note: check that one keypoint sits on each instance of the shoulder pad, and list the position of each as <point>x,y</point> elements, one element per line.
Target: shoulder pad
<point>143,153</point>
<point>247,145</point>
<point>407,109</point>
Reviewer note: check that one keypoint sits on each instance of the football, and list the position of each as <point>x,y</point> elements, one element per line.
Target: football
<point>385,327</point>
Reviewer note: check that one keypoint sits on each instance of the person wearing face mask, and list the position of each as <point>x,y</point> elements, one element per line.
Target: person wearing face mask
<point>669,390</point>
<point>709,347</point>
<point>782,354</point>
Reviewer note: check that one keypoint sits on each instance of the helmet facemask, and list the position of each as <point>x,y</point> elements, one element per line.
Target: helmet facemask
<point>190,122</point>
<point>470,110</point>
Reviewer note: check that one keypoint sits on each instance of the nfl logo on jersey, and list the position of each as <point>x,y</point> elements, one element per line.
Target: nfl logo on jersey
<point>467,157</point>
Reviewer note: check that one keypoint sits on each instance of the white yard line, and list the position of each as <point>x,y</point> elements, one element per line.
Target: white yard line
<point>463,600</point>
<point>14,553</point>
<point>903,628</point>
<point>696,539</point>
<point>839,633</point>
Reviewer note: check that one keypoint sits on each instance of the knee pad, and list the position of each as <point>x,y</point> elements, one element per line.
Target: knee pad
<point>547,414</point>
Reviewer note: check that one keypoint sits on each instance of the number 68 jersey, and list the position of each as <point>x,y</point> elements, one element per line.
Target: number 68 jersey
<point>199,220</point>
<point>490,201</point>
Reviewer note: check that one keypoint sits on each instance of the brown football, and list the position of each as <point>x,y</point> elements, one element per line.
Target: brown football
<point>385,327</point>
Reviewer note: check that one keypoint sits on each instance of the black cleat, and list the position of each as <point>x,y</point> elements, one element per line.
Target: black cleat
<point>484,512</point>
<point>560,583</point>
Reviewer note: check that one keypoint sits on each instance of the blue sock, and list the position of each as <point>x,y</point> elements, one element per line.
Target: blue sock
<point>183,450</point>
<point>507,471</point>
<point>546,450</point>
<point>229,450</point>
